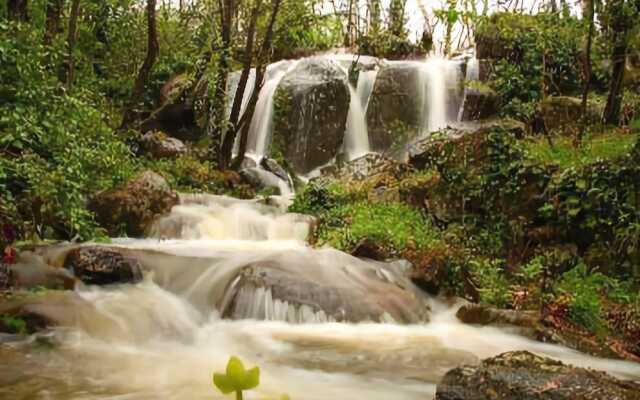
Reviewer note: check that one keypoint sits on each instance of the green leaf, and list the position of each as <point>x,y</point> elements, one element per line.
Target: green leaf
<point>236,372</point>
<point>251,379</point>
<point>223,383</point>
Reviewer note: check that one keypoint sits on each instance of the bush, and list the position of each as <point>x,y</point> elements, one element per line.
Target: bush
<point>57,148</point>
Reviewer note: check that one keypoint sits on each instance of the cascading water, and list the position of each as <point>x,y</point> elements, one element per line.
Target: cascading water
<point>438,82</point>
<point>248,262</point>
<point>357,136</point>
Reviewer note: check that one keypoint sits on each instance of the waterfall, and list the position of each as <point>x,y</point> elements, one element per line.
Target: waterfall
<point>261,123</point>
<point>438,81</point>
<point>357,135</point>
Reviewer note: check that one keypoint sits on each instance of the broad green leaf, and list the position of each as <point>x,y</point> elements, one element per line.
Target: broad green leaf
<point>223,383</point>
<point>251,379</point>
<point>236,372</point>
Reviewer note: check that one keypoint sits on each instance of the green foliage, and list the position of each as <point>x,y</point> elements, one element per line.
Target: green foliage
<point>52,160</point>
<point>582,288</point>
<point>492,283</point>
<point>593,148</point>
<point>537,55</point>
<point>14,324</point>
<point>394,226</point>
<point>237,379</point>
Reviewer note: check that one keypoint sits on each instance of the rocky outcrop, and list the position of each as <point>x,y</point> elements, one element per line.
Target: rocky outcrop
<point>311,107</point>
<point>470,138</point>
<point>96,265</point>
<point>521,375</point>
<point>160,145</point>
<point>393,113</point>
<point>480,102</point>
<point>176,114</point>
<point>133,208</point>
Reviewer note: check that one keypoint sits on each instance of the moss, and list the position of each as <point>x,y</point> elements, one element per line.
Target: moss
<point>595,147</point>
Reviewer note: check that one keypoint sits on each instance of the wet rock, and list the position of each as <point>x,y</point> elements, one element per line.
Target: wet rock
<point>159,145</point>
<point>393,114</point>
<point>31,271</point>
<point>5,277</point>
<point>133,208</point>
<point>483,315</point>
<point>102,266</point>
<point>272,166</point>
<point>368,248</point>
<point>521,375</point>
<point>561,114</point>
<point>274,290</point>
<point>480,102</point>
<point>470,137</point>
<point>370,165</point>
<point>311,107</point>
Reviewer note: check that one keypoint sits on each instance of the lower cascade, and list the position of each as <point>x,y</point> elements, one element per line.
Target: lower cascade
<point>227,277</point>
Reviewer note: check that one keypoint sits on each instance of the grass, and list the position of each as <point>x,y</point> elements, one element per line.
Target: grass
<point>565,154</point>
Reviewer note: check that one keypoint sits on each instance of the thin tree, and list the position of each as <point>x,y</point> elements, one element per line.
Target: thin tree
<point>217,114</point>
<point>621,25</point>
<point>52,22</point>
<point>153,49</point>
<point>69,65</point>
<point>263,59</point>
<point>230,134</point>
<point>590,14</point>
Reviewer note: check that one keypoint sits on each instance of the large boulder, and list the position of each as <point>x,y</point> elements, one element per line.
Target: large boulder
<point>160,145</point>
<point>96,265</point>
<point>394,110</point>
<point>521,375</point>
<point>311,107</point>
<point>133,208</point>
<point>344,289</point>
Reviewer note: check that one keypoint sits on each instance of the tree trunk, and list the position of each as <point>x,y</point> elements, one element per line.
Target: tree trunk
<point>230,136</point>
<point>18,10</point>
<point>69,67</point>
<point>589,13</point>
<point>348,36</point>
<point>217,109</point>
<point>620,25</point>
<point>263,59</point>
<point>52,24</point>
<point>153,48</point>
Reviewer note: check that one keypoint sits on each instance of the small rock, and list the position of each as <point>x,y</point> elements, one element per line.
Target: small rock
<point>368,248</point>
<point>159,145</point>
<point>102,266</point>
<point>520,375</point>
<point>483,315</point>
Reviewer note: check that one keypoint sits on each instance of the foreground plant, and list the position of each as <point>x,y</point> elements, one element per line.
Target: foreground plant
<point>237,378</point>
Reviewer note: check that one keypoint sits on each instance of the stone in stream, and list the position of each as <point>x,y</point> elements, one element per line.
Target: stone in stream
<point>273,289</point>
<point>520,375</point>
<point>133,208</point>
<point>102,266</point>
<point>310,114</point>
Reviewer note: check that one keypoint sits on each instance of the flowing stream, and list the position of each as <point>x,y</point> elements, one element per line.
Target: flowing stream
<point>228,277</point>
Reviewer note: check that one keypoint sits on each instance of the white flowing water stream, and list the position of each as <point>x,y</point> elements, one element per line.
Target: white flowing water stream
<point>162,338</point>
